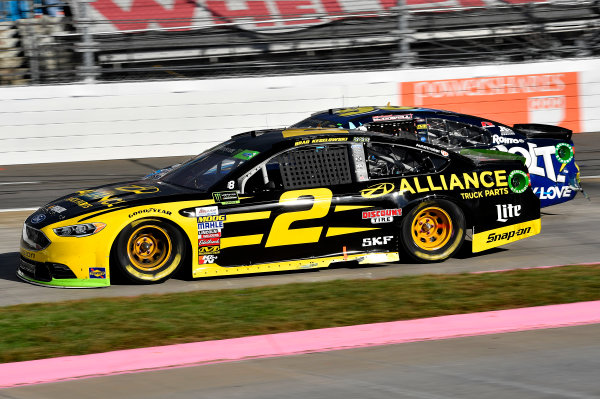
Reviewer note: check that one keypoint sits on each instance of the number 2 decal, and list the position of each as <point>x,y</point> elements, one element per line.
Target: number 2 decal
<point>282,234</point>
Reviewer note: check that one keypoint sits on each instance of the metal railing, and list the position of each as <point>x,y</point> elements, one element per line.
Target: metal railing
<point>88,44</point>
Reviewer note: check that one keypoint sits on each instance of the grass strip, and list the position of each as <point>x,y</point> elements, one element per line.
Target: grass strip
<point>38,331</point>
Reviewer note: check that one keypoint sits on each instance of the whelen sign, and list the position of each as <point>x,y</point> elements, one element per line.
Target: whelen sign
<point>551,98</point>
<point>260,15</point>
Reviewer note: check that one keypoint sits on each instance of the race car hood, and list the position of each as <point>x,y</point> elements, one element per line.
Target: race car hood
<point>110,197</point>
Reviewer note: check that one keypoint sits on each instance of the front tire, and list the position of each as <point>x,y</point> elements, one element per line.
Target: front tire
<point>433,231</point>
<point>149,251</point>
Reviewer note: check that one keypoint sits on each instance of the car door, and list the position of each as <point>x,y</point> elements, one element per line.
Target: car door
<point>296,209</point>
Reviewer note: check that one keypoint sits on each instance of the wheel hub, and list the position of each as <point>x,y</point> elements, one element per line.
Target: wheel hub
<point>426,226</point>
<point>149,248</point>
<point>432,228</point>
<point>145,246</point>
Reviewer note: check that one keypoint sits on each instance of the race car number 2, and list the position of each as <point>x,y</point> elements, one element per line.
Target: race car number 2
<point>282,234</point>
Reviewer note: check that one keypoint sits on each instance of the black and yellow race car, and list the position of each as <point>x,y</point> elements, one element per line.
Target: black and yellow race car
<point>275,200</point>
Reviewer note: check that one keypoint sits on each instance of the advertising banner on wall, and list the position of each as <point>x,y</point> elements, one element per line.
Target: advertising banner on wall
<point>550,98</point>
<point>268,16</point>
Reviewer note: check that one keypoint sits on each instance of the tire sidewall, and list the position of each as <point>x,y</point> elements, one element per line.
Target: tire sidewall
<point>410,248</point>
<point>132,273</point>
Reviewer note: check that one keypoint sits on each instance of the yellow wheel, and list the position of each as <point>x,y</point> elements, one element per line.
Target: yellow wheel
<point>149,247</point>
<point>432,231</point>
<point>431,228</point>
<point>149,251</point>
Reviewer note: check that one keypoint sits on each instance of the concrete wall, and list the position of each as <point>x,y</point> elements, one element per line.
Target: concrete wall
<point>135,120</point>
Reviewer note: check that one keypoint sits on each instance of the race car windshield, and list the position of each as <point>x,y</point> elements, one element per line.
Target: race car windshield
<point>208,168</point>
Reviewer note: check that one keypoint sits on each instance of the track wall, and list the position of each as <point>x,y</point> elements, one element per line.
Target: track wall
<point>135,120</point>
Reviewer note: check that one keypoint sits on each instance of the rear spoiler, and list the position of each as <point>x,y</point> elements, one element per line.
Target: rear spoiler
<point>540,131</point>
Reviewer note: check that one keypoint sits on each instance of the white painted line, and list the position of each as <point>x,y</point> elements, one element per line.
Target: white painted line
<point>19,209</point>
<point>590,177</point>
<point>18,182</point>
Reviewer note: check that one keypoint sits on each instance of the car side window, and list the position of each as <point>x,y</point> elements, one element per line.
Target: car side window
<point>222,168</point>
<point>385,160</point>
<point>203,171</point>
<point>402,128</point>
<point>267,177</point>
<point>452,134</point>
<point>303,167</point>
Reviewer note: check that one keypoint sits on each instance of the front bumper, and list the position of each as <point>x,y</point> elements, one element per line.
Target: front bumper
<point>55,275</point>
<point>65,262</point>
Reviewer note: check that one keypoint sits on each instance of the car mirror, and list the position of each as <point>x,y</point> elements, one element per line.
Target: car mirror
<point>270,186</point>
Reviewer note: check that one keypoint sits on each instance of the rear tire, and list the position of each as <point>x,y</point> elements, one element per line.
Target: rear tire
<point>149,251</point>
<point>432,231</point>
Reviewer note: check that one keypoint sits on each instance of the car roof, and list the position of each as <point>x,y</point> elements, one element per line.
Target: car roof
<point>376,110</point>
<point>352,113</point>
<point>263,140</point>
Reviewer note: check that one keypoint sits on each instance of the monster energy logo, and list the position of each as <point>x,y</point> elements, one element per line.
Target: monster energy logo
<point>226,197</point>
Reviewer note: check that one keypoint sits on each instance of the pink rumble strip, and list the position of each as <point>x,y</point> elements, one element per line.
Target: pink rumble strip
<point>292,343</point>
